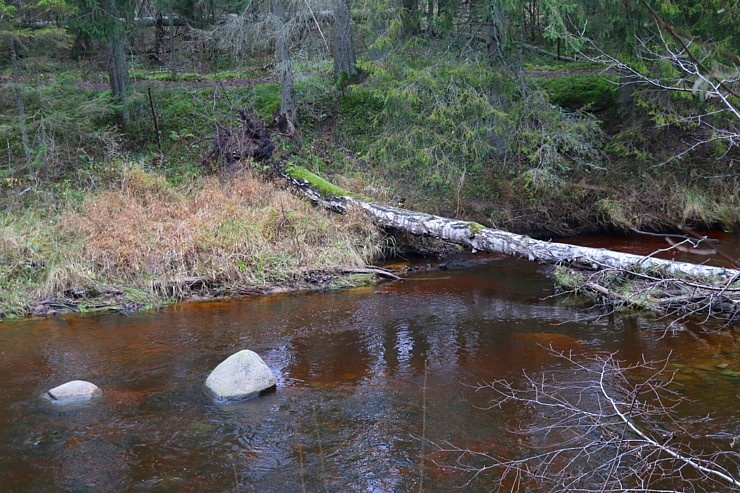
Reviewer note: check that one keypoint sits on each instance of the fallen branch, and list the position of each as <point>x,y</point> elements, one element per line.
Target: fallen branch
<point>600,425</point>
<point>542,51</point>
<point>378,271</point>
<point>480,238</point>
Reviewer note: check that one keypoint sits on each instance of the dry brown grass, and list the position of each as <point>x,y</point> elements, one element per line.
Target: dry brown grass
<point>242,232</point>
<point>144,239</point>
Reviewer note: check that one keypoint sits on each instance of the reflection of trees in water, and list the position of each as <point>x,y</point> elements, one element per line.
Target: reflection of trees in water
<point>393,336</point>
<point>329,359</point>
<point>351,396</point>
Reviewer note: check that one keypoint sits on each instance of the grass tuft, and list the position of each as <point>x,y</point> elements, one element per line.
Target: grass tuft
<point>231,237</point>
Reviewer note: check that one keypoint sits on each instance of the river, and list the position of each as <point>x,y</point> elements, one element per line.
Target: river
<point>363,375</point>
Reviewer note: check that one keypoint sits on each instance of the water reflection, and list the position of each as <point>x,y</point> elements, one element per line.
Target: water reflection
<point>347,415</point>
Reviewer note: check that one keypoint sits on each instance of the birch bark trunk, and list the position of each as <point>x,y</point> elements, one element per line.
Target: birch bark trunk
<point>479,238</point>
<point>285,66</point>
<point>483,239</point>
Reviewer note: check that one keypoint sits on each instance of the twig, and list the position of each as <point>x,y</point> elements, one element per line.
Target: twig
<point>672,31</point>
<point>371,270</point>
<point>317,24</point>
<point>303,474</point>
<point>599,429</point>
<point>321,451</point>
<point>676,455</point>
<point>669,235</point>
<point>156,123</point>
<point>423,426</point>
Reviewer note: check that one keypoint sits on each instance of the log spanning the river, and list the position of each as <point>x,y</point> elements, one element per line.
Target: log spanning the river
<point>480,238</point>
<point>469,234</point>
<point>657,285</point>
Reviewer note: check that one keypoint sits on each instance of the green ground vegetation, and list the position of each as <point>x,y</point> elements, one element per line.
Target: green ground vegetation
<point>539,146</point>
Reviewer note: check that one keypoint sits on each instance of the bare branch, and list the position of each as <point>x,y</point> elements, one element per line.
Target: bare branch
<point>592,430</point>
<point>691,76</point>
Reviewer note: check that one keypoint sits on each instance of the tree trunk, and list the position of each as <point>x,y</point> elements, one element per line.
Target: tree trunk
<point>494,33</point>
<point>479,238</point>
<point>651,284</point>
<point>158,36</point>
<point>117,70</point>
<point>430,18</point>
<point>344,48</point>
<point>285,66</point>
<point>19,100</point>
<point>118,74</point>
<point>672,285</point>
<point>483,239</point>
<point>410,17</point>
<point>173,55</point>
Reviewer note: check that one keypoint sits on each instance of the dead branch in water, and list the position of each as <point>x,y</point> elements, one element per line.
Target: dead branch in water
<point>665,295</point>
<point>600,425</point>
<point>370,269</point>
<point>692,248</point>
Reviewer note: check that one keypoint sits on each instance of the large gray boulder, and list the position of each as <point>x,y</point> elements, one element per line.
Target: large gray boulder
<point>74,392</point>
<point>240,376</point>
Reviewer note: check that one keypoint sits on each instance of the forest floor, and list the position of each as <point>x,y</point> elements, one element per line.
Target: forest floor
<point>109,219</point>
<point>186,83</point>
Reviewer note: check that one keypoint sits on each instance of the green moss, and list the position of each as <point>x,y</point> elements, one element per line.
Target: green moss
<point>635,296</point>
<point>266,98</point>
<point>731,374</point>
<point>326,188</point>
<point>612,213</point>
<point>361,109</point>
<point>167,76</point>
<point>352,281</point>
<point>475,228</point>
<point>583,91</point>
<point>567,279</point>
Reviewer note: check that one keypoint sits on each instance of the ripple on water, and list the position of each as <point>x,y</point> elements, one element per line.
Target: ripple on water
<point>363,376</point>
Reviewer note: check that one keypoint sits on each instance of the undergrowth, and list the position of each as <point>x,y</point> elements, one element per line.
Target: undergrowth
<point>447,133</point>
<point>234,237</point>
<point>593,92</point>
<point>423,127</point>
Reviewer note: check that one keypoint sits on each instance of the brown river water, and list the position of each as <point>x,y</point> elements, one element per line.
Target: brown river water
<point>355,370</point>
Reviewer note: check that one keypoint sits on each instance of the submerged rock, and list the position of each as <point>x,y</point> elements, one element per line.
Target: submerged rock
<point>240,376</point>
<point>74,392</point>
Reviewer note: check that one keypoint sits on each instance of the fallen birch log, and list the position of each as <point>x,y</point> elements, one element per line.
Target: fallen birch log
<point>716,289</point>
<point>480,238</point>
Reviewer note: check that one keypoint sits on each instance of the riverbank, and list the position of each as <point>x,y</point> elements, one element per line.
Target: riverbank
<point>142,242</point>
<point>108,217</point>
<point>138,241</point>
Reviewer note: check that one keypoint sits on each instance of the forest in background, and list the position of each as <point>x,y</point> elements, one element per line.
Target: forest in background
<point>543,117</point>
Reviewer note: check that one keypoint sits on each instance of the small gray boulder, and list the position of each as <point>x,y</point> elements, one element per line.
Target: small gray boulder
<point>240,376</point>
<point>74,392</point>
